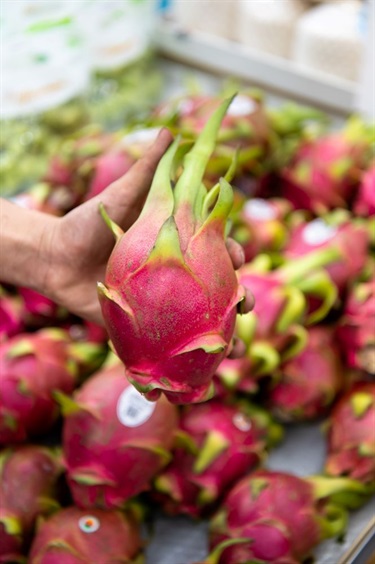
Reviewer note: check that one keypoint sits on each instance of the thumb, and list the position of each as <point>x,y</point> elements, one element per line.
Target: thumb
<point>124,198</point>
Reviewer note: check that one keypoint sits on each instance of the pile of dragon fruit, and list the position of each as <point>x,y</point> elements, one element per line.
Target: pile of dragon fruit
<point>100,428</point>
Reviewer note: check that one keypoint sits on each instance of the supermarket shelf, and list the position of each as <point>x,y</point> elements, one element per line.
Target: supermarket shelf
<point>230,58</point>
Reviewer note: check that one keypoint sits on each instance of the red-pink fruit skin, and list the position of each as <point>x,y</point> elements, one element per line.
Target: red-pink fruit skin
<point>27,383</point>
<point>310,381</point>
<point>32,470</point>
<point>108,168</point>
<point>95,439</point>
<point>117,539</point>
<point>365,202</point>
<point>244,451</point>
<point>281,517</point>
<point>348,433</point>
<point>11,322</point>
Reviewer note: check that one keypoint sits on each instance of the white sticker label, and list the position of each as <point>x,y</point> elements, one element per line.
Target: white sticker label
<point>241,106</point>
<point>133,409</point>
<point>89,524</point>
<point>242,422</point>
<point>259,209</point>
<point>318,232</point>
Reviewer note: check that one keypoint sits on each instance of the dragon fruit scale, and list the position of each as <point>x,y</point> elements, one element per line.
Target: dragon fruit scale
<point>171,294</point>
<point>217,445</point>
<point>74,536</point>
<point>28,482</point>
<point>365,201</point>
<point>282,517</point>
<point>351,435</point>
<point>11,321</point>
<point>114,440</point>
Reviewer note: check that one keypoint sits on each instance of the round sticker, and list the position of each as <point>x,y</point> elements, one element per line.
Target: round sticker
<point>241,106</point>
<point>133,409</point>
<point>259,209</point>
<point>242,422</point>
<point>318,232</point>
<point>144,136</point>
<point>89,524</point>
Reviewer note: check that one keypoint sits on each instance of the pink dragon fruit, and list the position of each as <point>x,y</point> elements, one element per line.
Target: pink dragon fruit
<point>74,536</point>
<point>351,435</point>
<point>219,444</point>
<point>260,226</point>
<point>282,517</point>
<point>234,374</point>
<point>306,385</point>
<point>170,312</point>
<point>108,168</point>
<point>324,173</point>
<point>40,197</point>
<point>32,365</point>
<point>351,239</point>
<point>356,329</point>
<point>40,311</point>
<point>111,431</point>
<point>29,476</point>
<point>11,322</point>
<point>365,201</point>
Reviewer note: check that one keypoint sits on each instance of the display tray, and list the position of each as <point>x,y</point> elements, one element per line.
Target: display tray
<point>183,541</point>
<point>230,58</point>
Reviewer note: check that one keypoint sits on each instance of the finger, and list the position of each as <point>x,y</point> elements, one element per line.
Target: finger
<point>236,253</point>
<point>248,303</point>
<point>124,198</point>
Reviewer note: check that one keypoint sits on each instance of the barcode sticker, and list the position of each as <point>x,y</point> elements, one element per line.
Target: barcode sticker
<point>133,409</point>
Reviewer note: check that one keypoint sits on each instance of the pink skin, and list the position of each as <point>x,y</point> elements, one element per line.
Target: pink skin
<point>27,382</point>
<point>108,168</point>
<point>351,437</point>
<point>356,329</point>
<point>11,322</point>
<point>310,381</point>
<point>117,538</point>
<point>33,470</point>
<point>280,518</point>
<point>239,372</point>
<point>314,181</point>
<point>97,444</point>
<point>350,239</point>
<point>39,310</point>
<point>365,201</point>
<point>245,446</point>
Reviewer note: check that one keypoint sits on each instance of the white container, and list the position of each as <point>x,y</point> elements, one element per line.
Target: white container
<point>268,25</point>
<point>212,17</point>
<point>329,39</point>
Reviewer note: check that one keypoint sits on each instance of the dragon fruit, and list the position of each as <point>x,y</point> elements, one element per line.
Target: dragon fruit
<point>32,365</point>
<point>351,239</point>
<point>306,385</point>
<point>219,444</point>
<point>351,435</point>
<point>324,173</point>
<point>40,311</point>
<point>356,329</point>
<point>29,476</point>
<point>170,312</point>
<point>11,322</point>
<point>111,431</point>
<point>364,204</point>
<point>260,226</point>
<point>108,167</point>
<point>73,536</point>
<point>40,197</point>
<point>282,516</point>
<point>235,374</point>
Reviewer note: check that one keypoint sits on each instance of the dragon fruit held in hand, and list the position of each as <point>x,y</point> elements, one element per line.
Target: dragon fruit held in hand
<point>32,365</point>
<point>283,517</point>
<point>356,333</point>
<point>365,201</point>
<point>171,294</point>
<point>114,440</point>
<point>351,435</point>
<point>350,239</point>
<point>307,384</point>
<point>218,445</point>
<point>74,536</point>
<point>28,476</point>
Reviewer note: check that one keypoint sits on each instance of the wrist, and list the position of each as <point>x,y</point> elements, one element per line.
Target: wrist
<point>25,234</point>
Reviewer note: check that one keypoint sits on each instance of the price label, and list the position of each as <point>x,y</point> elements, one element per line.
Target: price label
<point>89,524</point>
<point>133,409</point>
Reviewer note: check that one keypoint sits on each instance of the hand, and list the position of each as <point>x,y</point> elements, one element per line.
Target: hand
<point>80,243</point>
